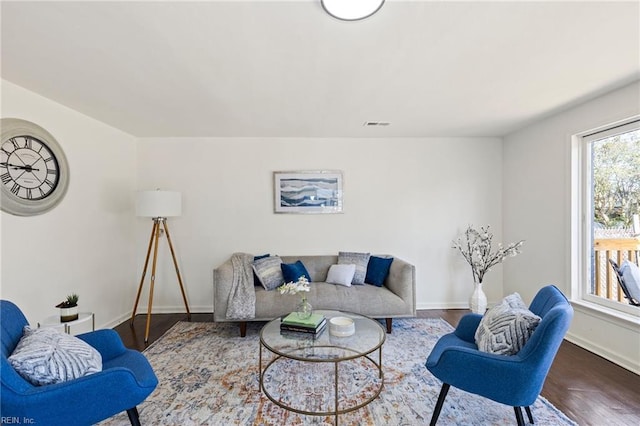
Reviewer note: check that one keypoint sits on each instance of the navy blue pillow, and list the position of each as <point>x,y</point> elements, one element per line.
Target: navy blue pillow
<point>293,271</point>
<point>377,270</point>
<point>256,280</point>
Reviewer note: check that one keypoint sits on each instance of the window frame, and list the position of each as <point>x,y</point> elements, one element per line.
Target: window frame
<point>582,218</point>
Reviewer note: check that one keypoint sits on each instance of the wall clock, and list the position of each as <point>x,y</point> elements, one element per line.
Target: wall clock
<point>33,168</point>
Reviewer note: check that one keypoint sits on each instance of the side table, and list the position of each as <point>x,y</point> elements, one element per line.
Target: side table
<point>54,321</point>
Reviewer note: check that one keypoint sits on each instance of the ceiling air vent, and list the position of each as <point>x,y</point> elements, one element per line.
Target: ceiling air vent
<point>376,123</point>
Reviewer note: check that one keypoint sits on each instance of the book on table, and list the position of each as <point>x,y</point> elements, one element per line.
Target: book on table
<point>303,334</point>
<point>313,324</point>
<point>304,329</point>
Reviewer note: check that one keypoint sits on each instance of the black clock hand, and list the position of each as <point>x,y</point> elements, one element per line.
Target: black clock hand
<point>17,167</point>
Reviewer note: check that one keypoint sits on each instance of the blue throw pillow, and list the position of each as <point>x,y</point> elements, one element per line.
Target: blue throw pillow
<point>293,271</point>
<point>378,270</point>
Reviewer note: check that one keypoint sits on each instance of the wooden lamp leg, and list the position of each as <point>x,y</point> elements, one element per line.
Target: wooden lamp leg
<point>144,271</point>
<point>153,280</point>
<point>175,264</point>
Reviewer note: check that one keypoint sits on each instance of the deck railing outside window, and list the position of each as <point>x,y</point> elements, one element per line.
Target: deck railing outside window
<point>605,283</point>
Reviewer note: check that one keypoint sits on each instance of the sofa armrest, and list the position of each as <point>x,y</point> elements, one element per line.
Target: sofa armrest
<point>402,282</point>
<point>222,281</point>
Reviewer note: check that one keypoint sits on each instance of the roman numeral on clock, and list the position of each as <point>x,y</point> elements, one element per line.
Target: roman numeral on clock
<point>6,177</point>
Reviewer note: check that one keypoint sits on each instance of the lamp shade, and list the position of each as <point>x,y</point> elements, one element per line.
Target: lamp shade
<point>351,10</point>
<point>158,203</point>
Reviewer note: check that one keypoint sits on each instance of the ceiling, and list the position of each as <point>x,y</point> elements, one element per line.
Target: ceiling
<point>287,69</point>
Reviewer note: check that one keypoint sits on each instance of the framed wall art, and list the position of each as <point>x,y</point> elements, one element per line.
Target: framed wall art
<point>308,192</point>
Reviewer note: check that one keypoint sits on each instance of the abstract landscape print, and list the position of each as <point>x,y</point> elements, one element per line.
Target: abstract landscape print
<point>308,192</point>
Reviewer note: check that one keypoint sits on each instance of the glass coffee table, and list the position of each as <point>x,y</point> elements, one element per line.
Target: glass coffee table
<point>323,375</point>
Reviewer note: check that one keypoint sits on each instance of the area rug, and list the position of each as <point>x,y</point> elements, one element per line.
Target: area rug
<point>208,375</point>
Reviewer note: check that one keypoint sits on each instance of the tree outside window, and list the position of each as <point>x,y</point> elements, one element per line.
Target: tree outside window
<point>616,180</point>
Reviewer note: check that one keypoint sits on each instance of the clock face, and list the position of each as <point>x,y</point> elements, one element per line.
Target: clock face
<point>33,168</point>
<point>28,168</point>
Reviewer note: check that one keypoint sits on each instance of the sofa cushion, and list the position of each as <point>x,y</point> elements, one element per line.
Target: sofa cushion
<point>369,300</point>
<point>378,270</point>
<point>45,356</point>
<point>341,274</point>
<point>361,260</point>
<point>291,272</point>
<point>506,327</point>
<point>269,272</point>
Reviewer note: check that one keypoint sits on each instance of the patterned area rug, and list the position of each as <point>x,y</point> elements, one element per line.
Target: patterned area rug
<point>209,376</point>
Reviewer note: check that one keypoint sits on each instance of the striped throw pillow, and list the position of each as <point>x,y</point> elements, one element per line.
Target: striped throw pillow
<point>361,260</point>
<point>45,356</point>
<point>269,272</point>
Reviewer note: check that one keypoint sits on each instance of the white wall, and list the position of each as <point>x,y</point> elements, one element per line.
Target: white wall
<point>85,244</point>
<point>405,197</point>
<point>537,207</point>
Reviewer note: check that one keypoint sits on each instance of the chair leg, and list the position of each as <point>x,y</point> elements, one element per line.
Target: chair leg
<point>243,328</point>
<point>528,410</point>
<point>439,404</point>
<point>519,417</point>
<point>133,416</point>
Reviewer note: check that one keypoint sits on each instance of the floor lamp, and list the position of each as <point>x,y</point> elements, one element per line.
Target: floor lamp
<point>158,205</point>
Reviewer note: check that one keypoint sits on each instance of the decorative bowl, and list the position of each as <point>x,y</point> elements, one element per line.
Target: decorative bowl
<point>341,326</point>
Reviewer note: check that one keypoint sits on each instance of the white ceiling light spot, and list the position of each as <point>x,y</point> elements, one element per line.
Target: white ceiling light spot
<point>351,10</point>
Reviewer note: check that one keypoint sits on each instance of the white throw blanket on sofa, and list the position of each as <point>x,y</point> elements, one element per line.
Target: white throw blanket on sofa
<point>242,298</point>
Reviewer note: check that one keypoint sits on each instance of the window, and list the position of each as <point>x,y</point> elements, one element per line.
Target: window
<point>608,211</point>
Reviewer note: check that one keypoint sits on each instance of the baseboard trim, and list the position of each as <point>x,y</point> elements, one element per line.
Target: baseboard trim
<point>142,310</point>
<point>113,323</point>
<point>426,306</point>
<point>175,309</point>
<point>622,361</point>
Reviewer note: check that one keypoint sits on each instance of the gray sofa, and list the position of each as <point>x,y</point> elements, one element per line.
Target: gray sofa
<point>395,299</point>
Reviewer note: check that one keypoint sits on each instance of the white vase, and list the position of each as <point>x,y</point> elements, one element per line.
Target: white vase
<point>478,300</point>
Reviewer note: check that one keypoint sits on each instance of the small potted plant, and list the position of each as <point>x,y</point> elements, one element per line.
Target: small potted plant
<point>69,308</point>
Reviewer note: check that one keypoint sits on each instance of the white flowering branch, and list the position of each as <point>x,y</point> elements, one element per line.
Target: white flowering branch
<point>476,248</point>
<point>295,287</point>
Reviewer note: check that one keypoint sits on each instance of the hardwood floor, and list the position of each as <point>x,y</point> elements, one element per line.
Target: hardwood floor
<point>587,388</point>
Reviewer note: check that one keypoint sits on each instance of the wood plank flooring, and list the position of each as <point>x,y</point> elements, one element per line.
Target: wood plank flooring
<point>587,388</point>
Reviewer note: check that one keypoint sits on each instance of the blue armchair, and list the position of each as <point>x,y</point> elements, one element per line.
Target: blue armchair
<point>514,380</point>
<point>125,381</point>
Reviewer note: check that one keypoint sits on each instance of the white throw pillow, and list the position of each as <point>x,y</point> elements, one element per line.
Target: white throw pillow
<point>631,276</point>
<point>341,274</point>
<point>45,356</point>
